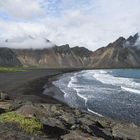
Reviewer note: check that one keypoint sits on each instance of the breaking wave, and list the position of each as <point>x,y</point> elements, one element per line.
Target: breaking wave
<point>112,93</point>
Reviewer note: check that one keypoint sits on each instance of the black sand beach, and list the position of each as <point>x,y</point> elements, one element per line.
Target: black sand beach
<point>28,85</point>
<point>60,121</point>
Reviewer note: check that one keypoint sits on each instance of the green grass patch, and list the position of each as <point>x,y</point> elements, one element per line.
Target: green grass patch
<point>29,125</point>
<point>11,69</point>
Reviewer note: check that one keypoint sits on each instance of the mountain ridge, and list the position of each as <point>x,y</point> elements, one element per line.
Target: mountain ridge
<point>55,57</point>
<point>122,53</point>
<point>119,54</point>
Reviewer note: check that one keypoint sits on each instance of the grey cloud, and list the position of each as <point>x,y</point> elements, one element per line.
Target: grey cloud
<point>22,9</point>
<point>106,21</point>
<point>27,42</point>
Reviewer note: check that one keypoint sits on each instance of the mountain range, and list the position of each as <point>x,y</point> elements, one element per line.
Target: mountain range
<point>122,53</point>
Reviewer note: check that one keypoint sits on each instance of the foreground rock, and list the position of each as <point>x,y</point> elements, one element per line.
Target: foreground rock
<point>126,131</point>
<point>10,131</point>
<point>78,135</point>
<point>42,121</point>
<point>65,123</point>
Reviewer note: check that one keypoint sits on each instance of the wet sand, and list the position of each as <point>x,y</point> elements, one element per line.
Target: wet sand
<point>28,86</point>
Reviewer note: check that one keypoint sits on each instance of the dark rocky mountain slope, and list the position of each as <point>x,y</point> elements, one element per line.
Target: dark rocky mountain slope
<point>122,53</point>
<point>55,57</point>
<point>8,58</point>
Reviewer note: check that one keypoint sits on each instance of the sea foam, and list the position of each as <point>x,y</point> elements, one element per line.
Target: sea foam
<point>127,84</point>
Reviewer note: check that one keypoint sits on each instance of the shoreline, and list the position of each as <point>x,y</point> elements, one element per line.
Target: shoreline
<point>28,86</point>
<point>60,120</point>
<point>33,91</point>
<point>114,118</point>
<point>58,95</point>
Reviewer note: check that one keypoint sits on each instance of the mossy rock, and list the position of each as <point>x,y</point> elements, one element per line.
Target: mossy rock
<point>29,125</point>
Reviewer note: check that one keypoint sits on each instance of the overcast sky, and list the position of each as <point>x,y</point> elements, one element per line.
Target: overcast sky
<point>89,23</point>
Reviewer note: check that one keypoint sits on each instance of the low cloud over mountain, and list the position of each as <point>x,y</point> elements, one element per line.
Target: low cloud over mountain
<point>133,41</point>
<point>89,23</point>
<point>28,41</point>
<point>122,53</point>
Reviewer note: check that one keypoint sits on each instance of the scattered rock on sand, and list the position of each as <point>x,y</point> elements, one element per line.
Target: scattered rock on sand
<point>5,105</point>
<point>3,95</point>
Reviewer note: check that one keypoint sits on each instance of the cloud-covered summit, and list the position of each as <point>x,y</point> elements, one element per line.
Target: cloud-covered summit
<point>29,41</point>
<point>89,23</point>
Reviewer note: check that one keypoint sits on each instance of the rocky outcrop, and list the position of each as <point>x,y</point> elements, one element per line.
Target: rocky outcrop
<point>65,123</point>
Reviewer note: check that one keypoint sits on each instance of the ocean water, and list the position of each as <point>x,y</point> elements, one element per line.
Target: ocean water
<point>112,93</point>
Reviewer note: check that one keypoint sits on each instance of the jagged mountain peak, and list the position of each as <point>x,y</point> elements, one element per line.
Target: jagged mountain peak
<point>120,39</point>
<point>121,53</point>
<point>66,46</point>
<point>133,39</point>
<point>82,51</point>
<point>62,49</point>
<point>115,55</point>
<point>117,43</point>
